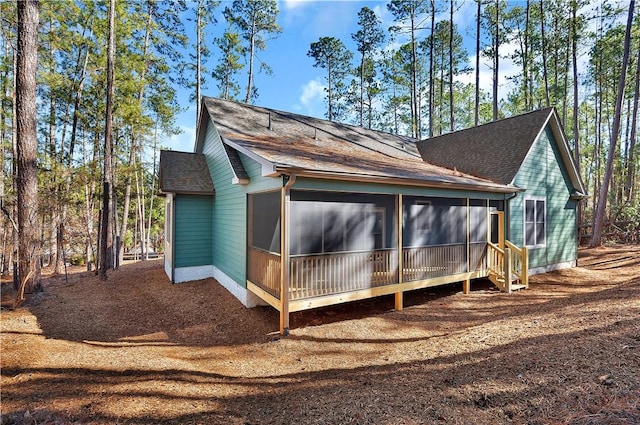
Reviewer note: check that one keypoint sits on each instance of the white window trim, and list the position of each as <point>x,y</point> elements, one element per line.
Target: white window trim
<point>524,220</point>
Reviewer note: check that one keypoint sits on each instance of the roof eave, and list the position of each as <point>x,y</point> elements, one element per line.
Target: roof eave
<point>187,192</point>
<point>369,178</point>
<point>579,196</point>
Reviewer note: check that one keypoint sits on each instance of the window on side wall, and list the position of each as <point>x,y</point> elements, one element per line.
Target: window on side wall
<point>535,226</point>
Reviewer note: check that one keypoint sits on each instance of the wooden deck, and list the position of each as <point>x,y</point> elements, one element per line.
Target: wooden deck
<point>324,279</point>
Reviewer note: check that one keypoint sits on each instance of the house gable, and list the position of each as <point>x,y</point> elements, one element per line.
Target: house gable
<point>545,177</point>
<point>229,211</point>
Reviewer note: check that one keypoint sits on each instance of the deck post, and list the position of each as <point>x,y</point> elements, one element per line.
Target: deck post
<point>507,270</point>
<point>398,295</point>
<point>525,267</point>
<point>466,286</point>
<point>285,235</point>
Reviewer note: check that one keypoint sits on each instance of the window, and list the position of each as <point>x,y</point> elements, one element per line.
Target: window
<point>421,213</point>
<point>534,222</point>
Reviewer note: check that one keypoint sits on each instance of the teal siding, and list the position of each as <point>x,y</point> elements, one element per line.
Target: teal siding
<point>543,175</point>
<point>230,207</point>
<point>193,231</point>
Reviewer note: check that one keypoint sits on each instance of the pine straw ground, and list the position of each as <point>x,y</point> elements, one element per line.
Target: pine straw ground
<point>139,350</point>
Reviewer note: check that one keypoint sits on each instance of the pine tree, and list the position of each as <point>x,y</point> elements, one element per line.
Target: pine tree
<point>229,64</point>
<point>368,38</point>
<point>254,19</point>
<point>29,251</point>
<point>331,54</point>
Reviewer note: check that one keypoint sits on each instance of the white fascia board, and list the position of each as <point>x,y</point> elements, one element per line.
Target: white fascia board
<point>268,167</point>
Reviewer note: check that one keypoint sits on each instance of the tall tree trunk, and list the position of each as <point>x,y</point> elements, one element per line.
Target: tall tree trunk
<point>545,76</point>
<point>631,166</point>
<point>330,92</point>
<point>153,182</point>
<point>476,114</point>
<point>602,202</point>
<point>89,191</point>
<point>29,248</point>
<point>525,60</point>
<point>250,72</point>
<point>565,88</point>
<point>576,101</point>
<point>362,90</point>
<point>415,121</point>
<point>431,85</point>
<point>451,123</point>
<point>106,230</point>
<point>14,172</point>
<point>134,144</point>
<point>496,59</point>
<point>198,57</point>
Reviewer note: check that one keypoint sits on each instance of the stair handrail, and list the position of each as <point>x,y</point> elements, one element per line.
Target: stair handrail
<point>495,264</point>
<point>519,262</point>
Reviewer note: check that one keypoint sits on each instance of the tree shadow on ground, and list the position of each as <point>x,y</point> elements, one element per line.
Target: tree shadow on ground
<point>504,383</point>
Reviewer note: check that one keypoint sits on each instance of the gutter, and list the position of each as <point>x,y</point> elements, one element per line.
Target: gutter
<point>507,213</point>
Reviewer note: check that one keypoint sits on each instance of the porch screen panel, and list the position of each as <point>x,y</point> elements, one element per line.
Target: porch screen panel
<point>434,237</point>
<point>265,216</point>
<point>340,242</point>
<point>478,228</point>
<point>263,232</point>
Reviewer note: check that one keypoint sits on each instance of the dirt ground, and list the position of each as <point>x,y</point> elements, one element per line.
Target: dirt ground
<point>136,349</point>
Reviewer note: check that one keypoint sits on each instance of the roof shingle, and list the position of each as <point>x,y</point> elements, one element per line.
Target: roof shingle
<point>313,145</point>
<point>184,172</point>
<point>493,151</point>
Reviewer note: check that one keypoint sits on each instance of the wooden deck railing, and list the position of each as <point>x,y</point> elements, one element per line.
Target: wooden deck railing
<point>495,259</point>
<point>477,256</point>
<point>507,265</point>
<point>264,270</point>
<point>325,274</point>
<point>519,262</point>
<point>318,275</point>
<point>433,261</point>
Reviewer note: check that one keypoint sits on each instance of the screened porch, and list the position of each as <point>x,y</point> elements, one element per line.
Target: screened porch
<point>349,246</point>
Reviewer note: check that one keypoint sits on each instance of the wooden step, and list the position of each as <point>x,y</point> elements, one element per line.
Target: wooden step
<point>517,286</point>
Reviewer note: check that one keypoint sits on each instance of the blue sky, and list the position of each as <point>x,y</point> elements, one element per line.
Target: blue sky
<point>295,85</point>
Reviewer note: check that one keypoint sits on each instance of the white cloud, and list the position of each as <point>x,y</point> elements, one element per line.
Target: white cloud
<point>312,98</point>
<point>184,141</point>
<point>293,4</point>
<point>506,66</point>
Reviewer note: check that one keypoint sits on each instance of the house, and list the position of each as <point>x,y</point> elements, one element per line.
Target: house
<point>300,212</point>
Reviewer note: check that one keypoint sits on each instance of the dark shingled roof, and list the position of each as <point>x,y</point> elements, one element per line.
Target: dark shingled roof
<point>183,172</point>
<point>493,151</point>
<point>316,147</point>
